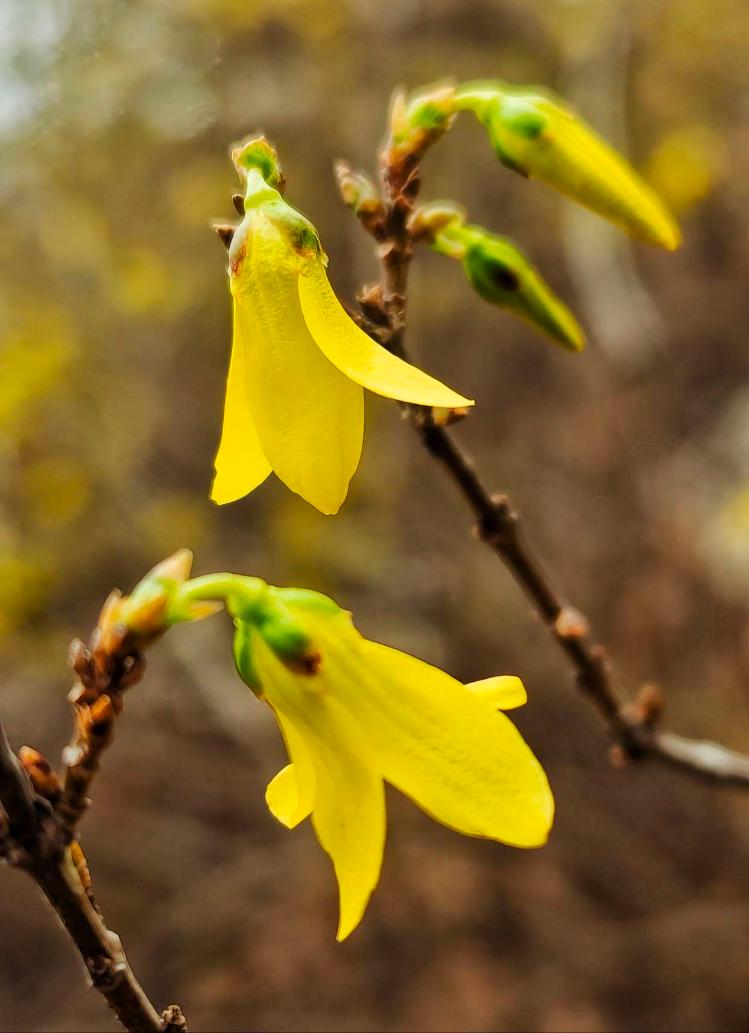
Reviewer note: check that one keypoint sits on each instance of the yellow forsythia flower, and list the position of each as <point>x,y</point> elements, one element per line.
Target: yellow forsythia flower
<point>355,714</point>
<point>294,400</point>
<point>538,136</point>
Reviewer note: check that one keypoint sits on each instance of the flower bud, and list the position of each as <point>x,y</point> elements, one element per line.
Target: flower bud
<point>499,271</point>
<point>357,190</point>
<point>154,605</point>
<point>502,274</point>
<point>537,136</point>
<point>420,120</point>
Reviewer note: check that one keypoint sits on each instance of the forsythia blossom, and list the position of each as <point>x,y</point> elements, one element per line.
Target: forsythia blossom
<point>355,714</point>
<point>294,400</point>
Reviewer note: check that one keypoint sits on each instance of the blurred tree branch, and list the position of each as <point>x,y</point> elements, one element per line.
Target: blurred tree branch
<point>633,727</point>
<point>41,813</point>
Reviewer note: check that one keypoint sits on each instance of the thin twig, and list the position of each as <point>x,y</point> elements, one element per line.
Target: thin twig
<point>43,812</point>
<point>16,795</point>
<point>632,727</point>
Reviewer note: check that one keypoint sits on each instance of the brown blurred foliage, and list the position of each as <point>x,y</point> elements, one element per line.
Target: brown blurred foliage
<point>630,464</point>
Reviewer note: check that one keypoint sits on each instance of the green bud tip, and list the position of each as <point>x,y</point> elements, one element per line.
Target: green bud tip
<point>419,120</point>
<point>256,153</point>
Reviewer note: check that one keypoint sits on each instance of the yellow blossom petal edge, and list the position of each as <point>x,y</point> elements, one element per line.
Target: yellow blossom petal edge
<point>357,356</point>
<point>283,796</point>
<point>291,793</point>
<point>438,742</point>
<point>504,691</point>
<point>240,461</point>
<point>348,812</point>
<point>309,417</point>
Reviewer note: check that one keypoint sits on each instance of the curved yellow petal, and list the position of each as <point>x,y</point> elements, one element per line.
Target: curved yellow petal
<point>439,743</point>
<point>240,462</point>
<point>504,691</point>
<point>291,793</point>
<point>348,812</point>
<point>309,417</point>
<point>355,353</point>
<point>283,796</point>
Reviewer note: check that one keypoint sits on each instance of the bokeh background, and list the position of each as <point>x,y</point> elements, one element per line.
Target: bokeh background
<point>630,463</point>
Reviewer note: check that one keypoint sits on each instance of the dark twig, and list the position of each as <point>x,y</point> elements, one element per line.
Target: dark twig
<point>16,795</point>
<point>43,812</point>
<point>632,728</point>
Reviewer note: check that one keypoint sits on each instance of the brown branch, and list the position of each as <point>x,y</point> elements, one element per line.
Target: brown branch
<point>110,664</point>
<point>632,727</point>
<point>43,813</point>
<point>16,796</point>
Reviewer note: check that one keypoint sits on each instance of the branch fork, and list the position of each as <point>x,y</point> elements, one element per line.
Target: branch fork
<point>633,727</point>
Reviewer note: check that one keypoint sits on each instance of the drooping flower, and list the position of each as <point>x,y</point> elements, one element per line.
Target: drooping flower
<point>538,136</point>
<point>294,400</point>
<point>355,714</point>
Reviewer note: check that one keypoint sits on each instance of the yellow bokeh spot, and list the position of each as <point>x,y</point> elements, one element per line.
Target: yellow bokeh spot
<point>685,167</point>
<point>56,491</point>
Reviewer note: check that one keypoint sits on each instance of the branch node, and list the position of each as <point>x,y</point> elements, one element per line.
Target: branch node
<point>173,1019</point>
<point>571,624</point>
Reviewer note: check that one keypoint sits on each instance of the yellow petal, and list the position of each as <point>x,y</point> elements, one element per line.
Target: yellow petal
<point>504,691</point>
<point>240,462</point>
<point>349,802</point>
<point>309,417</point>
<point>291,793</point>
<point>283,796</point>
<point>357,355</point>
<point>436,741</point>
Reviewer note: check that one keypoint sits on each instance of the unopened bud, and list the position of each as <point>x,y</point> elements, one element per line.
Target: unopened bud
<point>357,189</point>
<point>536,135</point>
<point>418,121</point>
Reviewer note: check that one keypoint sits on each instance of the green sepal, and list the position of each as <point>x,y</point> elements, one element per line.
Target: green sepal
<point>242,650</point>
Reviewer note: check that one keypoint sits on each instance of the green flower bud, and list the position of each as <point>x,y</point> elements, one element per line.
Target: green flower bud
<point>501,274</point>
<point>536,135</point>
<point>420,120</point>
<point>155,603</point>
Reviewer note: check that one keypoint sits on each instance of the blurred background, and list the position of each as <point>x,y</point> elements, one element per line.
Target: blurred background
<point>629,462</point>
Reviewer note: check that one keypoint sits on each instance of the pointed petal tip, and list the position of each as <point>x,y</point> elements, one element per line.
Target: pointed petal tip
<point>222,496</point>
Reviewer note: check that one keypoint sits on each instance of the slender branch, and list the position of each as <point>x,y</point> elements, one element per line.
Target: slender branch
<point>16,794</point>
<point>107,667</point>
<point>632,727</point>
<point>43,813</point>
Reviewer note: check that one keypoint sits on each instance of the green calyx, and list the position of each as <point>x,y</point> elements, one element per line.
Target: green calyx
<point>278,616</point>
<point>257,163</point>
